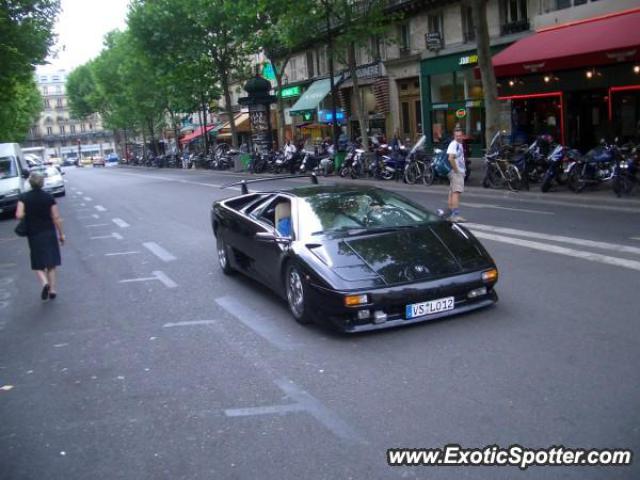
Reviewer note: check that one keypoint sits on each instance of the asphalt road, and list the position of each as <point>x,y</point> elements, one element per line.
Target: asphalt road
<point>151,364</point>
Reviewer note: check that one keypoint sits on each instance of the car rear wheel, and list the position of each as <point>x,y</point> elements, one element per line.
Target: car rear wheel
<point>223,257</point>
<point>296,295</point>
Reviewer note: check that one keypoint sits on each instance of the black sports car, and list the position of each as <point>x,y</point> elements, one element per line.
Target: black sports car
<point>359,257</point>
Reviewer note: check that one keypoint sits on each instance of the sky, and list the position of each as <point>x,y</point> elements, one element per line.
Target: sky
<point>81,27</point>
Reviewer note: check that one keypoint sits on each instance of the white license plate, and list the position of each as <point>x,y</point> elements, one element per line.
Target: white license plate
<point>430,307</point>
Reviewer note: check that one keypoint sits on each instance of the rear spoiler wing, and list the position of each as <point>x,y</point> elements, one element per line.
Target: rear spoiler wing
<point>244,183</point>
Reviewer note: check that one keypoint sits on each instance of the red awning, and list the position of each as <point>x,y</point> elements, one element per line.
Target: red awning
<point>598,41</point>
<point>195,134</point>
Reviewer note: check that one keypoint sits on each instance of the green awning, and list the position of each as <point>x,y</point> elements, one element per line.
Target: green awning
<point>310,99</point>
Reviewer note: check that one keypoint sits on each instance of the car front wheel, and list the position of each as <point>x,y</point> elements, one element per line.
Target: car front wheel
<point>296,295</point>
<point>223,257</point>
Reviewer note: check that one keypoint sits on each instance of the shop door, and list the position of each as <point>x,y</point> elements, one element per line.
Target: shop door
<point>410,109</point>
<point>587,117</point>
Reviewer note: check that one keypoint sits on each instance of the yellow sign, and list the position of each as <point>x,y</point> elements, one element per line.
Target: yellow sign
<point>468,60</point>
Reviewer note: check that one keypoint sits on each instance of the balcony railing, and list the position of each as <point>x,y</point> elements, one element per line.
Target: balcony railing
<point>514,27</point>
<point>469,36</point>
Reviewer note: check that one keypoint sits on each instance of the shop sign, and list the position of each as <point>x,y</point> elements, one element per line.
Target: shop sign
<point>433,41</point>
<point>473,103</point>
<point>307,116</point>
<point>288,92</point>
<point>366,71</point>
<point>440,106</point>
<point>461,113</point>
<point>326,116</point>
<point>468,60</point>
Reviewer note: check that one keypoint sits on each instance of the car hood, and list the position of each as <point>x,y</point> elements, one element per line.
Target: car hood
<point>405,255</point>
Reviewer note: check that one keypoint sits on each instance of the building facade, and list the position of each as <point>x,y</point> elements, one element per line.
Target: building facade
<point>61,135</point>
<point>423,78</point>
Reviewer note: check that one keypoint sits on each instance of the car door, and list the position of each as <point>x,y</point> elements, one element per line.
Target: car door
<point>269,253</point>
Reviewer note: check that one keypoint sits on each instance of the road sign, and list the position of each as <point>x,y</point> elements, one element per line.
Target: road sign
<point>461,113</point>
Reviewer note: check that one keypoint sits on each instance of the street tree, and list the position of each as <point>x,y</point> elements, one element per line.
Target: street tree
<point>487,74</point>
<point>200,35</point>
<point>19,109</point>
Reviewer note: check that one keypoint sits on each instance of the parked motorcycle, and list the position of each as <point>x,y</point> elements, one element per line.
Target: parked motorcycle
<point>625,174</point>
<point>594,168</point>
<point>557,166</point>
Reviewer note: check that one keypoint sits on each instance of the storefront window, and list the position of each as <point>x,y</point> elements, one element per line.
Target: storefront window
<point>626,115</point>
<point>535,116</point>
<point>472,83</point>
<point>442,88</point>
<point>444,122</point>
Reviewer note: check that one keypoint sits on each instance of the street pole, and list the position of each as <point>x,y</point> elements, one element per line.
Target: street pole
<point>334,113</point>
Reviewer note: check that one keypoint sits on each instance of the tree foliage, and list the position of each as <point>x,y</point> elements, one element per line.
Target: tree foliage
<point>19,109</point>
<point>26,36</point>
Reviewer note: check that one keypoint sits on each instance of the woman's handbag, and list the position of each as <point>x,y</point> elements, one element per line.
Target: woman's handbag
<point>21,229</point>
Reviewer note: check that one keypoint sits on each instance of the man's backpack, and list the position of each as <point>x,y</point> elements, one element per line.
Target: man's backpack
<point>440,162</point>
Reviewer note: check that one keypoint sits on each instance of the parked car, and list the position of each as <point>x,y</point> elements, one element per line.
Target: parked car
<point>85,161</point>
<point>356,257</point>
<point>98,161</point>
<point>14,172</point>
<point>111,160</point>
<point>53,181</point>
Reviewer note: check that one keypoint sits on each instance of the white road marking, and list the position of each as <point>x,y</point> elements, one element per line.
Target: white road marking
<point>634,238</point>
<point>95,215</point>
<point>119,222</point>
<point>100,208</point>
<point>189,323</point>
<point>117,236</point>
<point>544,247</point>
<point>120,253</point>
<point>498,207</point>
<point>164,279</point>
<point>267,410</point>
<point>88,199</point>
<point>157,275</point>
<point>83,204</point>
<point>159,252</point>
<point>557,238</point>
<point>97,225</point>
<point>258,322</point>
<point>79,193</point>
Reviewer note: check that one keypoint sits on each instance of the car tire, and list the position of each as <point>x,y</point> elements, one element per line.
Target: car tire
<point>296,295</point>
<point>223,256</point>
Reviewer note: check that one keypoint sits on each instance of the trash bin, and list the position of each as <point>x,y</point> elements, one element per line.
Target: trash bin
<point>245,161</point>
<point>339,160</point>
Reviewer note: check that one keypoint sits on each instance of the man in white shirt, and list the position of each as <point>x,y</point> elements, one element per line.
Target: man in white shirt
<point>455,152</point>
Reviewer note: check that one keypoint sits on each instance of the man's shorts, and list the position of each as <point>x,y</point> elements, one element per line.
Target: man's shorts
<point>456,182</point>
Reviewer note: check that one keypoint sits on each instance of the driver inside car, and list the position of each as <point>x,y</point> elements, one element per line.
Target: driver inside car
<point>283,219</point>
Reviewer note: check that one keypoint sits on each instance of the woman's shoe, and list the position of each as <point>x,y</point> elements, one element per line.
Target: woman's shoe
<point>45,292</point>
<point>52,295</point>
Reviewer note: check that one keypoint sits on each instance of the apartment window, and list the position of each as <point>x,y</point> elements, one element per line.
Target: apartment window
<point>468,31</point>
<point>82,127</point>
<point>58,89</point>
<point>72,129</point>
<point>55,78</point>
<point>310,69</point>
<point>435,24</point>
<point>62,130</point>
<point>404,42</point>
<point>377,49</point>
<point>49,131</point>
<point>90,127</point>
<point>47,104</point>
<point>45,90</point>
<point>58,102</point>
<point>513,16</point>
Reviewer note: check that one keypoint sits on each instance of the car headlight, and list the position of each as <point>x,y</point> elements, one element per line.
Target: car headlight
<point>624,164</point>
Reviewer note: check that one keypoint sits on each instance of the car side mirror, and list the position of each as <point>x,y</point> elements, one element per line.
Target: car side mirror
<point>269,237</point>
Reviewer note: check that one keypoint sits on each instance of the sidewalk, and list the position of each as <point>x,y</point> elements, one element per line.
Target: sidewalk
<point>601,197</point>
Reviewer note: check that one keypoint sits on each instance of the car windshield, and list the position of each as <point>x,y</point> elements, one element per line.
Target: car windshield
<point>358,212</point>
<point>8,167</point>
<point>51,172</point>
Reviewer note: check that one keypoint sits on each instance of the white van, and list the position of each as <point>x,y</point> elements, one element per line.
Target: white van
<point>13,176</point>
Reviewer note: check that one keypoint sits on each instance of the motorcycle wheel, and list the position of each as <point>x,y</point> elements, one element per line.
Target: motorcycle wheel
<point>623,185</point>
<point>546,182</point>
<point>344,171</point>
<point>576,184</point>
<point>386,174</point>
<point>491,178</point>
<point>355,172</point>
<point>429,175</point>
<point>514,181</point>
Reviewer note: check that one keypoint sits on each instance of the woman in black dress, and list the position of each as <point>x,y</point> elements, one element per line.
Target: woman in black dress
<point>43,221</point>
